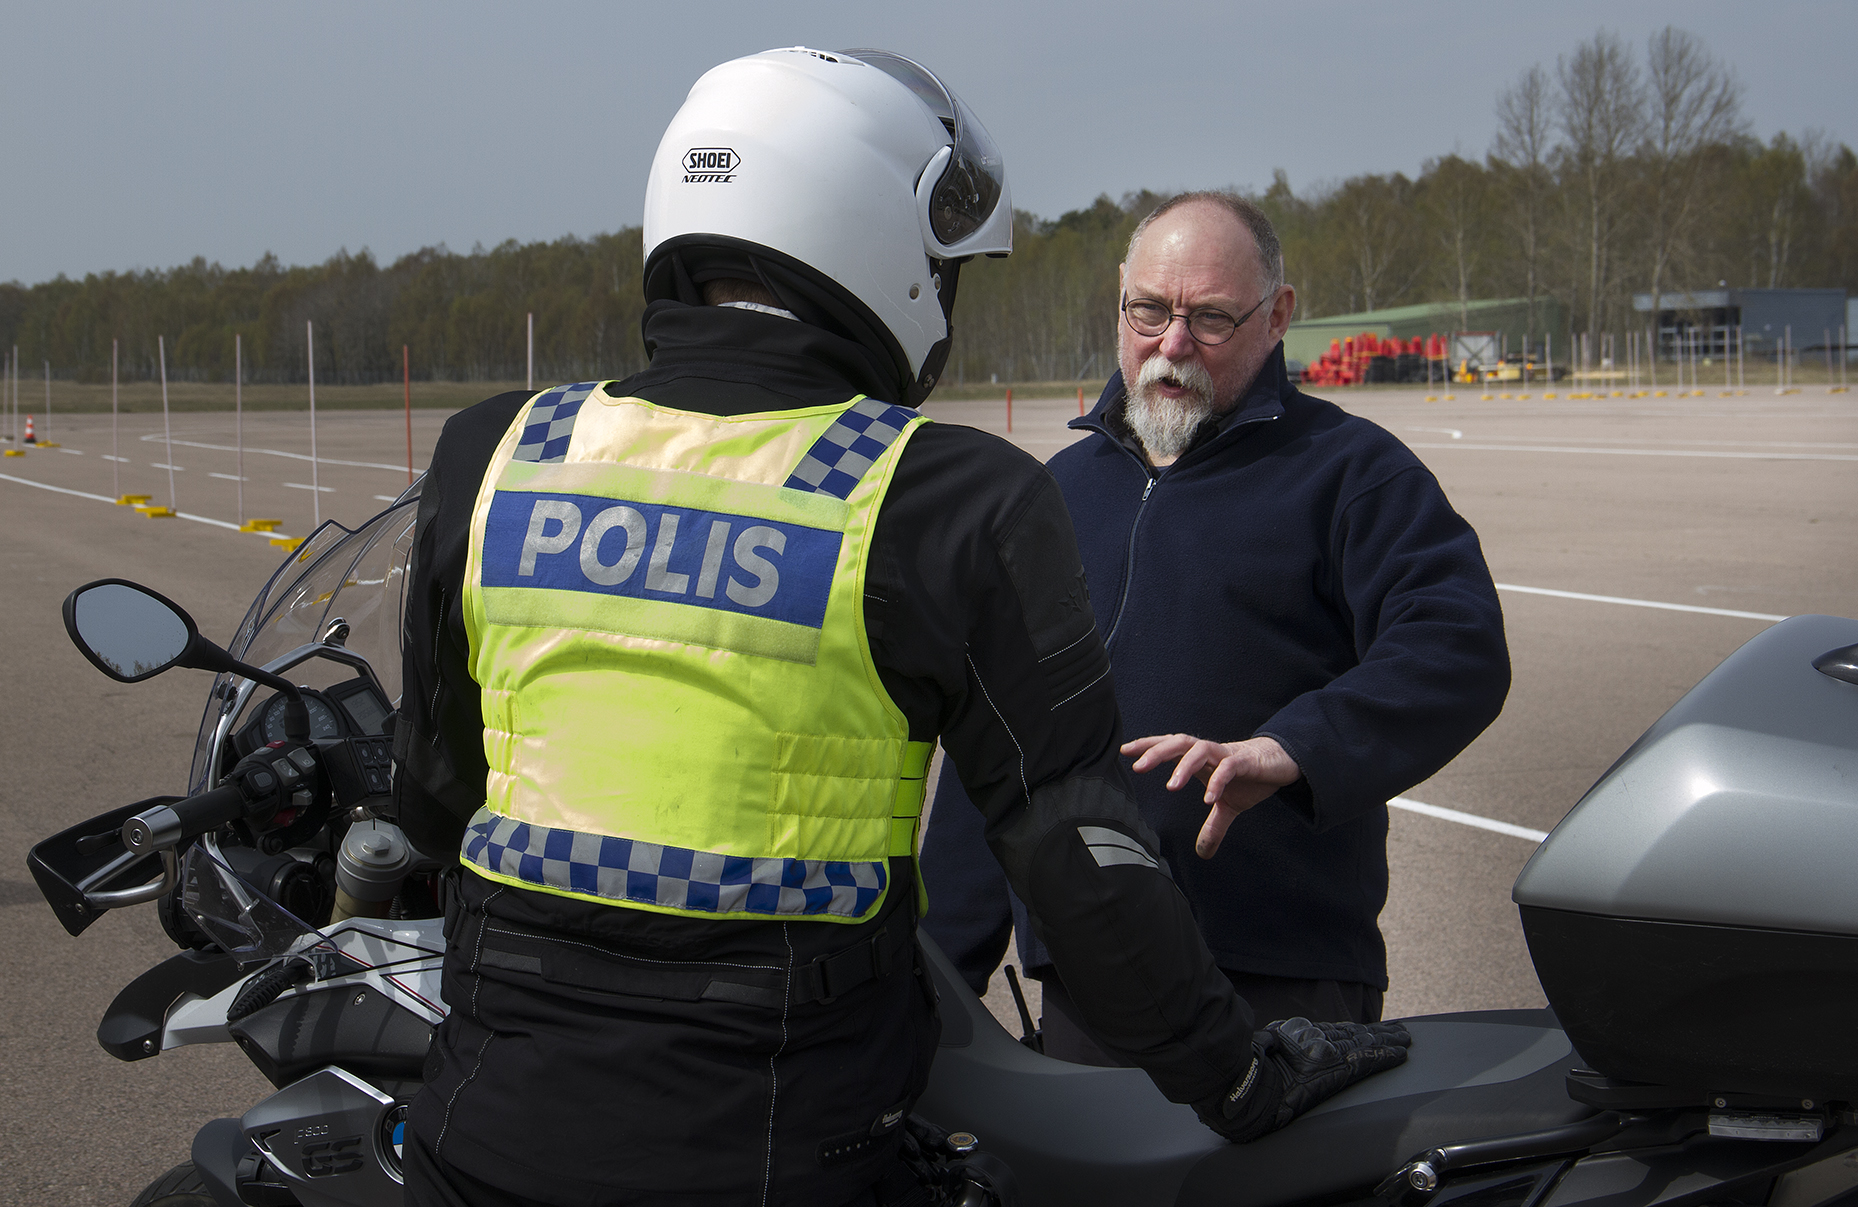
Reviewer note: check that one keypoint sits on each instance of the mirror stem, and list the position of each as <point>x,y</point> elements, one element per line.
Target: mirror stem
<point>205,655</point>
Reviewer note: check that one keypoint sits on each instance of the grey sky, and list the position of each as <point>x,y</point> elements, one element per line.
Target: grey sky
<point>141,135</point>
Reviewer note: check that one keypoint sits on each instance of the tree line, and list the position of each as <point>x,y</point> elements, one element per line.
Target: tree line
<point>1615,171</point>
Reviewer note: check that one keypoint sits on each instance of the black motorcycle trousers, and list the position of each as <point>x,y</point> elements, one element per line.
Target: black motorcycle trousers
<point>582,1070</point>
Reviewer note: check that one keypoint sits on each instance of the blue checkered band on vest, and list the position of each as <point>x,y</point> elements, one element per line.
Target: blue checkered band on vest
<point>623,869</point>
<point>551,423</point>
<point>839,458</point>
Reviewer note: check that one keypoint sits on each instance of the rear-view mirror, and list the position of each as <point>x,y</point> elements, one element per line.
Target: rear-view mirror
<point>127,631</point>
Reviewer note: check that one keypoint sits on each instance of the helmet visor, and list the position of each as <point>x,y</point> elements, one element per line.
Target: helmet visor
<point>970,187</point>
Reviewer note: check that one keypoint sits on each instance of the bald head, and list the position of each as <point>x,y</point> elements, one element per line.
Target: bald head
<point>1263,236</point>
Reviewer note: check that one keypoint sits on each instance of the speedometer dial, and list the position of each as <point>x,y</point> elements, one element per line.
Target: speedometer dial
<point>322,719</point>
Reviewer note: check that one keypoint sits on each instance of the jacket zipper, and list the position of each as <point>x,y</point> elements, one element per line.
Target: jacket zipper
<point>1129,561</point>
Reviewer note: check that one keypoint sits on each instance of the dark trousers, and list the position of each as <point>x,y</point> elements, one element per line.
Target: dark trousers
<point>1271,998</point>
<point>586,1070</point>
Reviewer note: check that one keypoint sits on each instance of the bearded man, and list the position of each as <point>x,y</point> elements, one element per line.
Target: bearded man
<point>1294,614</point>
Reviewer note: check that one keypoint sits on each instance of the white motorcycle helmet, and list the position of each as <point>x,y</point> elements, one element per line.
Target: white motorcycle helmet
<point>851,184</point>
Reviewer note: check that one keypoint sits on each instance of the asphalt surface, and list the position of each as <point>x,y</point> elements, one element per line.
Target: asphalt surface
<point>1741,504</point>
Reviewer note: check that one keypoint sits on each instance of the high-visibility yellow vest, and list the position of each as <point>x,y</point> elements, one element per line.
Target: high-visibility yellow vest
<point>666,617</point>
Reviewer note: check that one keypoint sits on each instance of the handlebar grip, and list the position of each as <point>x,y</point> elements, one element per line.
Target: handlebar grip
<point>166,825</point>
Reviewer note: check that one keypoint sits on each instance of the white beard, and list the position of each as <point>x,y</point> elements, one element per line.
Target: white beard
<point>1166,426</point>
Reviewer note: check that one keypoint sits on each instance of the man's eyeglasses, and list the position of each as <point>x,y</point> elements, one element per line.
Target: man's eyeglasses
<point>1207,325</point>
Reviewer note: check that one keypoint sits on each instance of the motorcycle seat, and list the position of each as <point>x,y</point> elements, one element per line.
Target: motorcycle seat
<point>1076,1134</point>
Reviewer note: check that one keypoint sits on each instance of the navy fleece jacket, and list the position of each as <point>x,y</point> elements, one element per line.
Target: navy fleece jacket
<point>1297,573</point>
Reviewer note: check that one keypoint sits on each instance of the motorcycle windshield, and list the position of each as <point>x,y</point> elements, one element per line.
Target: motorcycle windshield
<point>357,576</point>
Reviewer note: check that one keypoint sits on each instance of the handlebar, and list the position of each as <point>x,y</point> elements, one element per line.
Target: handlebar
<point>165,826</point>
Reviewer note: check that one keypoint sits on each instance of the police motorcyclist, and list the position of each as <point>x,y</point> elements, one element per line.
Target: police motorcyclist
<point>678,649</point>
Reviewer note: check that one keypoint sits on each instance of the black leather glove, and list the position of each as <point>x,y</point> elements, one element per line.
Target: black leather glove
<point>1295,1065</point>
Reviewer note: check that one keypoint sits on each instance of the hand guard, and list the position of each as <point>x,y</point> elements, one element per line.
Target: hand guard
<point>1295,1065</point>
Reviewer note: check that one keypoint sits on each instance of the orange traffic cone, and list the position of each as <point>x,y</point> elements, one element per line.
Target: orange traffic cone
<point>30,438</point>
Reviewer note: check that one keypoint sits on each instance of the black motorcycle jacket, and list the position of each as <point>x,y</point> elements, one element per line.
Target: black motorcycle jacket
<point>981,628</point>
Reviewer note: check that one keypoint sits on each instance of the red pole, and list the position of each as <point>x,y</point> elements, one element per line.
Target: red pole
<point>1080,402</point>
<point>406,380</point>
<point>1009,408</point>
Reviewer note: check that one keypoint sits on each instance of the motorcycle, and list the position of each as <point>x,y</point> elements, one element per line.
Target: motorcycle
<point>1689,922</point>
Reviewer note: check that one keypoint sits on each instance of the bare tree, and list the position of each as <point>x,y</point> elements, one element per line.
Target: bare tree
<point>1600,111</point>
<point>1457,202</point>
<point>1373,226</point>
<point>1695,104</point>
<point>1524,128</point>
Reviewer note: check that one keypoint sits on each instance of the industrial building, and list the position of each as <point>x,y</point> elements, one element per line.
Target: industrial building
<point>1507,319</point>
<point>1708,320</point>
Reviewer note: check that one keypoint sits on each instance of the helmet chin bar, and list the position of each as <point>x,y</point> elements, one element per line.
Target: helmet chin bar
<point>948,273</point>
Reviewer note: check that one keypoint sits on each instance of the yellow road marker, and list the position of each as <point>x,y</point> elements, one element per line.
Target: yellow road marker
<point>131,500</point>
<point>260,525</point>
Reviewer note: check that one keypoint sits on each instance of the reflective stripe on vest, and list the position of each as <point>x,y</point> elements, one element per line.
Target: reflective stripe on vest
<point>666,619</point>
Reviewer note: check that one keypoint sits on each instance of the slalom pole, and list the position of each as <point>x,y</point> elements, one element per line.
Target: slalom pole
<point>1828,343</point>
<point>1741,358</point>
<point>167,431</point>
<point>316,492</point>
<point>48,401</point>
<point>238,417</point>
<point>531,380</point>
<point>406,380</point>
<point>1009,408</point>
<point>1845,353</point>
<point>116,487</point>
<point>1080,402</point>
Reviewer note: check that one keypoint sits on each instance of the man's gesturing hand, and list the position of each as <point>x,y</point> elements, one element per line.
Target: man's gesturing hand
<point>1237,775</point>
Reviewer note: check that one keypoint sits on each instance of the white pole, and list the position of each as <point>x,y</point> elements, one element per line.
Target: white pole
<point>48,403</point>
<point>1741,358</point>
<point>1828,343</point>
<point>531,380</point>
<point>1787,358</point>
<point>1845,352</point>
<point>167,433</point>
<point>316,494</point>
<point>1548,356</point>
<point>238,416</point>
<point>116,487</point>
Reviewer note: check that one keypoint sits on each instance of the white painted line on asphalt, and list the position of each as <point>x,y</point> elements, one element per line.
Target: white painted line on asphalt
<point>1467,819</point>
<point>386,498</point>
<point>75,452</point>
<point>275,452</point>
<point>163,465</point>
<point>1643,452</point>
<point>328,490</point>
<point>1453,432</point>
<point>85,494</point>
<point>1639,603</point>
<point>82,494</point>
<point>228,477</point>
<point>124,460</point>
<point>1699,443</point>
